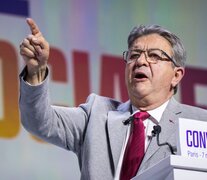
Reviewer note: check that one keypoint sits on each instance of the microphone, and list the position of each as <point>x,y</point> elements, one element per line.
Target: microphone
<point>156,131</point>
<point>128,121</point>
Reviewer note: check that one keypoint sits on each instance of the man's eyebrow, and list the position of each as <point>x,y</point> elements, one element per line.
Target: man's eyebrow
<point>137,49</point>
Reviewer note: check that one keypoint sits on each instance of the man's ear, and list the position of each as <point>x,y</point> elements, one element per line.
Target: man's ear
<point>178,75</point>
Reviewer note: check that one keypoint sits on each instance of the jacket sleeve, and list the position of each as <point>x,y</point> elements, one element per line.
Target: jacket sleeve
<point>62,126</point>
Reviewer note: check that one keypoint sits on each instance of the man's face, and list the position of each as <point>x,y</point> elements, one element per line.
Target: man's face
<point>151,81</point>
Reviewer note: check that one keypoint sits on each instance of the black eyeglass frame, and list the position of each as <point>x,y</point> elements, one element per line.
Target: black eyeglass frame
<point>143,51</point>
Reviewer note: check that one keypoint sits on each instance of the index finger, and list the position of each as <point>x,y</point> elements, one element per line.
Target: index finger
<point>33,26</point>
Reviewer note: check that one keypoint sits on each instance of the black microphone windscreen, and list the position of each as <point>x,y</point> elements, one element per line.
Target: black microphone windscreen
<point>157,128</point>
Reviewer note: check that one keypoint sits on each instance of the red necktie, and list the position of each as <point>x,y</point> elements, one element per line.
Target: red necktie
<point>135,148</point>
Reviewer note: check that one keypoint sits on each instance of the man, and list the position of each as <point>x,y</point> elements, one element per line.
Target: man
<point>101,132</point>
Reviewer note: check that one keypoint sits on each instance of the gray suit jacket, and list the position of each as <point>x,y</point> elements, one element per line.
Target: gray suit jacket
<point>94,130</point>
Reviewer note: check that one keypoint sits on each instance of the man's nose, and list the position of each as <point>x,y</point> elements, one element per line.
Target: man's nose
<point>142,60</point>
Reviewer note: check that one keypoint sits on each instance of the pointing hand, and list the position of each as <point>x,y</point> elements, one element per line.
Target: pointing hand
<point>35,52</point>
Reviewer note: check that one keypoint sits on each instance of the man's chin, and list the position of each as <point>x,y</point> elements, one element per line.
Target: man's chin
<point>140,91</point>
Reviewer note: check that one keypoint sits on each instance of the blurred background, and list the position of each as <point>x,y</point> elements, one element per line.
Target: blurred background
<point>87,39</point>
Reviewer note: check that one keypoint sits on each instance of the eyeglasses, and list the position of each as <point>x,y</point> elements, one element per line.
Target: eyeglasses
<point>151,55</point>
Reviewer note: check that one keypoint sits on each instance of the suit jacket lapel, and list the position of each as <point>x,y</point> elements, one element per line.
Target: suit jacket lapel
<point>168,124</point>
<point>117,130</point>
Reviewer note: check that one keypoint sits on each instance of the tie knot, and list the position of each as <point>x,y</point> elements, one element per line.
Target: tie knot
<point>142,115</point>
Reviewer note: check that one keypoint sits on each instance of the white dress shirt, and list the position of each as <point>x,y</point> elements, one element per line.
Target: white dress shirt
<point>154,119</point>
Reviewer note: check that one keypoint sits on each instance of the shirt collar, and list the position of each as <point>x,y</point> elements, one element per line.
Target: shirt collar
<point>156,113</point>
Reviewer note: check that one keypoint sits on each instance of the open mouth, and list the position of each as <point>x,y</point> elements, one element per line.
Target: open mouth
<point>140,76</point>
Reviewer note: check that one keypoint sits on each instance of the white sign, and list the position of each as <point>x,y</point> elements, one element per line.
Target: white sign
<point>192,138</point>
